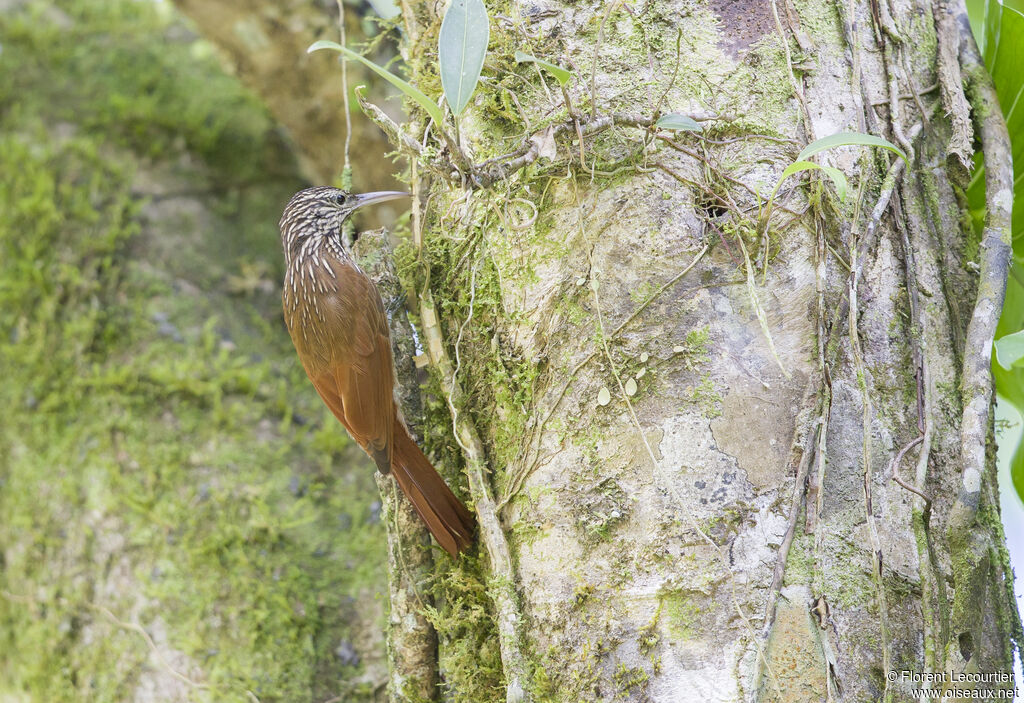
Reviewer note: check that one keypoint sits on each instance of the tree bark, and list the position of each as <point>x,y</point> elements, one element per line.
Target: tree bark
<point>411,639</point>
<point>732,449</point>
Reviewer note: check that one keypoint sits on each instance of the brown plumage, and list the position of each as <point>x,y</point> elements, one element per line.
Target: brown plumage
<point>337,321</point>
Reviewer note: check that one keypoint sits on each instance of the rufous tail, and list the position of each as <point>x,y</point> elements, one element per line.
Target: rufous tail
<point>450,521</point>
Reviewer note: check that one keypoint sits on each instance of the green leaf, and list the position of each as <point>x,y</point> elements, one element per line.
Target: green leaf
<point>838,179</point>
<point>461,47</point>
<point>385,8</point>
<point>1010,380</point>
<point>848,139</point>
<point>422,100</point>
<point>1010,350</point>
<point>674,120</point>
<point>562,75</point>
<point>1004,37</point>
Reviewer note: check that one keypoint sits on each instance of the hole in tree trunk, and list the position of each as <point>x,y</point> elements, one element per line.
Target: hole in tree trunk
<point>710,208</point>
<point>966,645</point>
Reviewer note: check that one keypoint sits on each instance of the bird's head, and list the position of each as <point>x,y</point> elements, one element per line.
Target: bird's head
<point>321,211</point>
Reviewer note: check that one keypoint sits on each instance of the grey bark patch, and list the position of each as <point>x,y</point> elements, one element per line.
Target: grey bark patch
<point>743,22</point>
<point>843,488</point>
<point>756,427</point>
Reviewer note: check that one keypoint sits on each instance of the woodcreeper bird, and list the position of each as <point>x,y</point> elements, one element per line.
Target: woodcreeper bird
<point>337,321</point>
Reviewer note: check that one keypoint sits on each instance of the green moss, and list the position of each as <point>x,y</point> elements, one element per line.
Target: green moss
<point>629,678</point>
<point>648,636</point>
<point>761,77</point>
<point>682,615</point>
<point>544,687</point>
<point>822,21</point>
<point>800,563</point>
<point>848,582</point>
<point>698,346</point>
<point>469,654</point>
<point>641,292</point>
<point>502,382</point>
<point>706,396</point>
<point>584,670</point>
<point>163,461</point>
<point>581,594</point>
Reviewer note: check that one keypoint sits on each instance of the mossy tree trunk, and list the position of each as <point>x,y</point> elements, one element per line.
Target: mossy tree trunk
<point>696,418</point>
<point>732,450</point>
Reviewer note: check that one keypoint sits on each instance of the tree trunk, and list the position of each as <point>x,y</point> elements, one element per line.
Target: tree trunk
<point>722,447</point>
<point>699,449</point>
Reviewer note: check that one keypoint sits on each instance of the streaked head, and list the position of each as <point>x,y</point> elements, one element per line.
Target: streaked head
<point>320,212</point>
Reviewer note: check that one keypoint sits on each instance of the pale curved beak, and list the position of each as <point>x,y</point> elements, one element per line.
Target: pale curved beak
<point>378,197</point>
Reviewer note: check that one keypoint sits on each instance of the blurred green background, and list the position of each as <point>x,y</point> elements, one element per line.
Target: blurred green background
<point>163,459</point>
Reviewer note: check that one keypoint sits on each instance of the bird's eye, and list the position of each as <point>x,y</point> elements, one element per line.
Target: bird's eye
<point>340,198</point>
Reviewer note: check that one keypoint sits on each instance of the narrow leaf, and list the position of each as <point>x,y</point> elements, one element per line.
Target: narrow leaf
<point>461,47</point>
<point>422,100</point>
<point>796,167</point>
<point>838,180</point>
<point>976,16</point>
<point>837,176</point>
<point>848,139</point>
<point>674,120</point>
<point>562,75</point>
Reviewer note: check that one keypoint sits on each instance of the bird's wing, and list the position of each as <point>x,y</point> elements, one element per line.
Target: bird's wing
<point>357,382</point>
